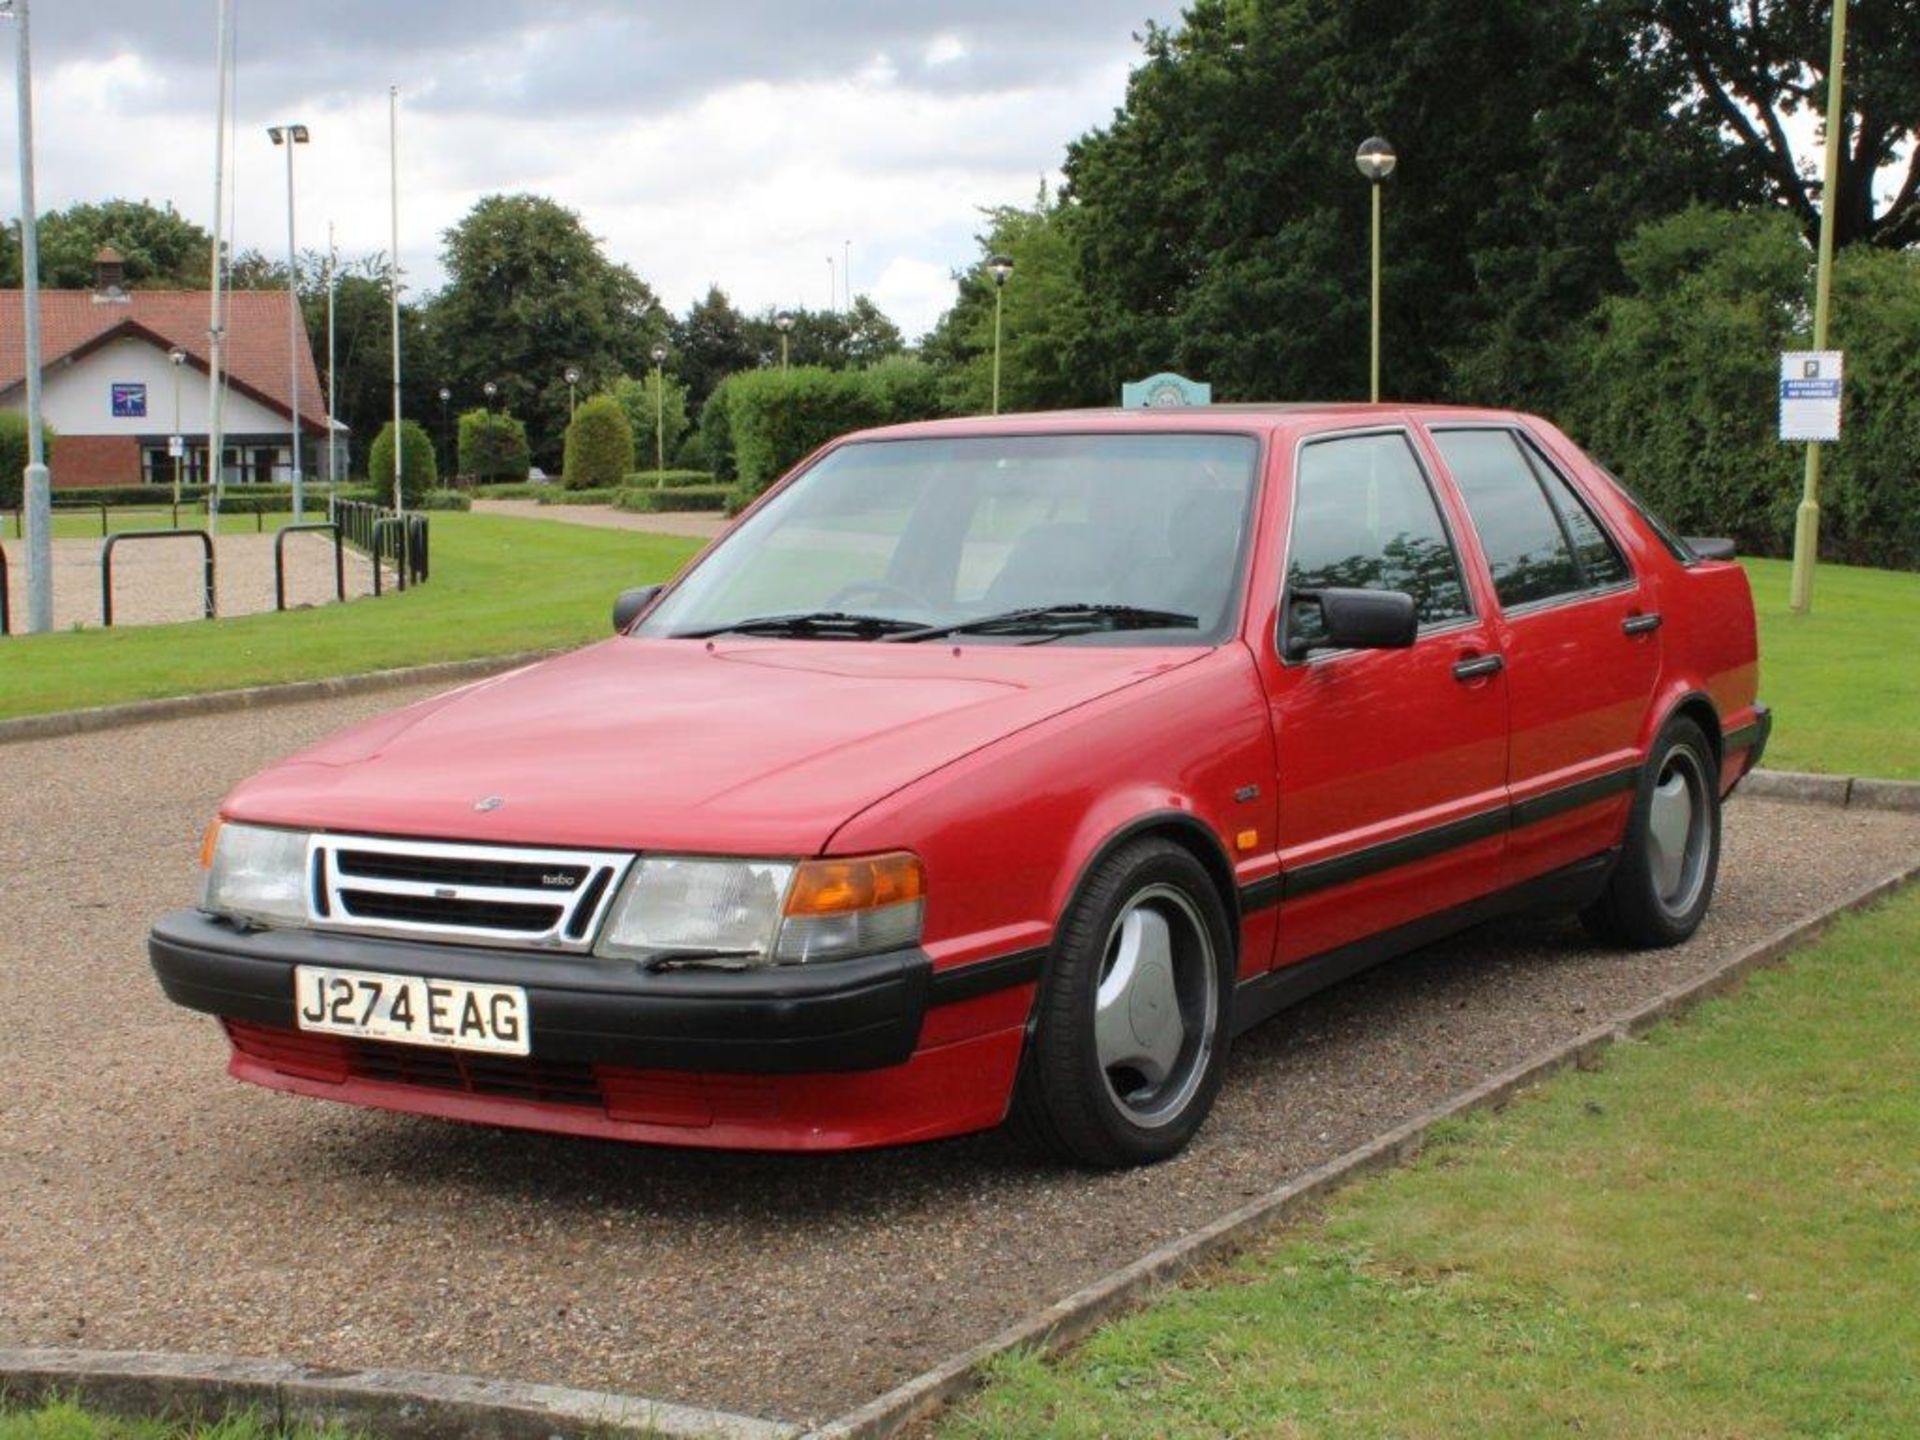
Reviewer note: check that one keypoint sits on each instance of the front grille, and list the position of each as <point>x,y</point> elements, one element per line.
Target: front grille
<point>476,894</point>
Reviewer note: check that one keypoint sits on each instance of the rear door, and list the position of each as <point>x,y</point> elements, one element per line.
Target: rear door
<point>1392,763</point>
<point>1580,633</point>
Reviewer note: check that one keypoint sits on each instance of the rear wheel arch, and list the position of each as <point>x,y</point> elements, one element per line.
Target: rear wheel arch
<point>1696,706</point>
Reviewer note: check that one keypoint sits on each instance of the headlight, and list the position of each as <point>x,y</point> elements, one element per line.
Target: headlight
<point>690,910</point>
<point>256,874</point>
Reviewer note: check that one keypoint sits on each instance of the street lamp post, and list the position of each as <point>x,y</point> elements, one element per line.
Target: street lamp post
<point>659,416</point>
<point>36,491</point>
<point>489,390</point>
<point>446,434</point>
<point>290,136</point>
<point>1000,267</point>
<point>1375,160</point>
<point>176,357</point>
<point>333,391</point>
<point>783,322</point>
<point>572,378</point>
<point>1806,520</point>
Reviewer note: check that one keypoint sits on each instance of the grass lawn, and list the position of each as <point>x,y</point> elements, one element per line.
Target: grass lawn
<point>499,585</point>
<point>1843,679</point>
<point>1713,1235</point>
<point>63,1421</point>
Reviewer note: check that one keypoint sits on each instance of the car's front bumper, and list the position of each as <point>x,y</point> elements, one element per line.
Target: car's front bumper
<point>847,1015</point>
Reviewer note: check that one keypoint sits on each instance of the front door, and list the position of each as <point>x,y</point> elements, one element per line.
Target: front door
<point>1392,763</point>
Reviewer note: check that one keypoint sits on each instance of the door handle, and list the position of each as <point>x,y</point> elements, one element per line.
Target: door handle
<point>1478,667</point>
<point>1641,624</point>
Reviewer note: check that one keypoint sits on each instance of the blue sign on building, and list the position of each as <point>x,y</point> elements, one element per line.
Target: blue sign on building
<point>129,400</point>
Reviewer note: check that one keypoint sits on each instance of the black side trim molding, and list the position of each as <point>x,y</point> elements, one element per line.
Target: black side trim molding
<point>1572,797</point>
<point>983,977</point>
<point>1260,894</point>
<point>1425,844</point>
<point>1266,995</point>
<point>1421,845</point>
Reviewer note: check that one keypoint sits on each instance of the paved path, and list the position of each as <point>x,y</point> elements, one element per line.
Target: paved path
<point>696,524</point>
<point>156,582</point>
<point>152,1202</point>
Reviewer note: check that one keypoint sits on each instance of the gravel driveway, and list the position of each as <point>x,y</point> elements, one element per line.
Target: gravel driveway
<point>151,1202</point>
<point>157,582</point>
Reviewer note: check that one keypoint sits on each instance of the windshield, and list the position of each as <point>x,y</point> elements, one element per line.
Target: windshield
<point>1103,539</point>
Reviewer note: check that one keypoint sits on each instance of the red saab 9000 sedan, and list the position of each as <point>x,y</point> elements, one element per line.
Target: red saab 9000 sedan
<point>997,771</point>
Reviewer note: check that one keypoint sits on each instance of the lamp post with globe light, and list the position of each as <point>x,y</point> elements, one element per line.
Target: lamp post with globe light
<point>572,377</point>
<point>291,136</point>
<point>1375,160</point>
<point>176,357</point>
<point>783,322</point>
<point>446,435</point>
<point>999,267</point>
<point>659,415</point>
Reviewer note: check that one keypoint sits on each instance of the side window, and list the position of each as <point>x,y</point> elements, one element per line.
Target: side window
<point>1526,546</point>
<point>1364,518</point>
<point>1601,562</point>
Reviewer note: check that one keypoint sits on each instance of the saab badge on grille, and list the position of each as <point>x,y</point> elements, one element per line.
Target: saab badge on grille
<point>488,803</point>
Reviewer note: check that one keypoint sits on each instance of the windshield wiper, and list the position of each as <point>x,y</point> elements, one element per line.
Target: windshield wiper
<point>1054,619</point>
<point>831,624</point>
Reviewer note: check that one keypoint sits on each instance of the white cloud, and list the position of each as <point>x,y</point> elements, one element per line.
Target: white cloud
<point>748,180</point>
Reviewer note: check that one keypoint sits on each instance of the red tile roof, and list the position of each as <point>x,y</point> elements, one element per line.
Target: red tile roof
<point>73,322</point>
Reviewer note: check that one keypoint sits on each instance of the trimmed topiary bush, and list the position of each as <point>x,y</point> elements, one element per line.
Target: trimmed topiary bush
<point>599,445</point>
<point>13,456</point>
<point>777,418</point>
<point>418,471</point>
<point>669,479</point>
<point>650,501</point>
<point>492,447</point>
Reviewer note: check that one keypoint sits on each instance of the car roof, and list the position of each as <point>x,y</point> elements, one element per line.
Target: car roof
<point>1240,416</point>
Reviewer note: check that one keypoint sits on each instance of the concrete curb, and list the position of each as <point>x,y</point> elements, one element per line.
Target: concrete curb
<point>1848,791</point>
<point>393,1404</point>
<point>257,697</point>
<point>1067,1321</point>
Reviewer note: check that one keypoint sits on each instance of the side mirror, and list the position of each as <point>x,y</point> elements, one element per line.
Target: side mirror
<point>627,608</point>
<point>1356,620</point>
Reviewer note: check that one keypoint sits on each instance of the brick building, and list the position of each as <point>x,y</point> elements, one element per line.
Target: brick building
<point>113,396</point>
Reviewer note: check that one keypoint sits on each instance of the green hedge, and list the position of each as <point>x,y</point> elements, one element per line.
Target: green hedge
<point>599,446</point>
<point>492,447</point>
<point>431,500</point>
<point>13,456</point>
<point>513,490</point>
<point>1675,386</point>
<point>652,501</point>
<point>598,495</point>
<point>670,479</point>
<point>419,470</point>
<point>776,418</point>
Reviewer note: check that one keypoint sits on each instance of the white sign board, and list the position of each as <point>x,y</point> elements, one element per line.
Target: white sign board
<point>176,446</point>
<point>1810,394</point>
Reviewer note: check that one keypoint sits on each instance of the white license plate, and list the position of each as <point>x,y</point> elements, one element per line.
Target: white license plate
<point>412,1010</point>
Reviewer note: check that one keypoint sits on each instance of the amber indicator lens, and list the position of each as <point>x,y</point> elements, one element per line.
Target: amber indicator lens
<point>836,887</point>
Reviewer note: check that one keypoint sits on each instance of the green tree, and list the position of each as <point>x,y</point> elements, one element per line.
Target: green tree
<point>419,472</point>
<point>642,400</point>
<point>363,350</point>
<point>710,344</point>
<point>1222,229</point>
<point>599,445</point>
<point>529,293</point>
<point>160,248</point>
<point>1048,326</point>
<point>830,339</point>
<point>492,448</point>
<point>1758,66</point>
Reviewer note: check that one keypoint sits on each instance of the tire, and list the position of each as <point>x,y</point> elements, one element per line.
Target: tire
<point>1660,890</point>
<point>1144,950</point>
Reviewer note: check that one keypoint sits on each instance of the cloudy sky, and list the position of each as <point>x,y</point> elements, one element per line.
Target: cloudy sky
<point>737,141</point>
